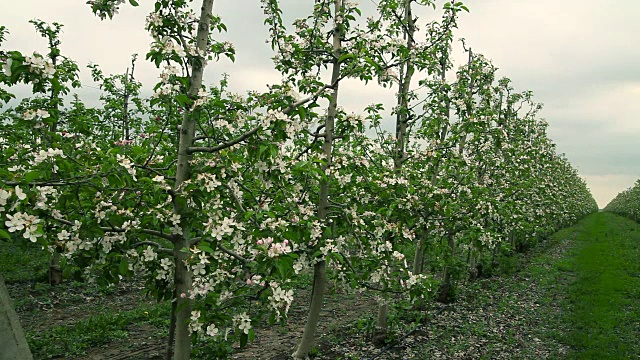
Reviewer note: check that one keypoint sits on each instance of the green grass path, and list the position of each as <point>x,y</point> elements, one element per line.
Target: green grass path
<point>603,307</point>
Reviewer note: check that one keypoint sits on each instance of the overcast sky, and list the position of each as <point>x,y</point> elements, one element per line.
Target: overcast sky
<point>579,57</point>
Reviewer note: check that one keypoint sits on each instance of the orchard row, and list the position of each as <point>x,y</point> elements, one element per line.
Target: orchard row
<point>226,203</point>
<point>627,203</point>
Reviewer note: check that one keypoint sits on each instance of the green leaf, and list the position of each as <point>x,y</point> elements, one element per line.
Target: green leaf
<point>284,266</point>
<point>31,176</point>
<point>124,266</point>
<point>205,248</point>
<point>183,99</point>
<point>345,57</point>
<point>302,112</point>
<point>5,235</point>
<point>133,2</point>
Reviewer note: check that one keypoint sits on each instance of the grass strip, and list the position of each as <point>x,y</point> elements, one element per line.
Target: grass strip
<point>604,298</point>
<point>72,340</point>
<point>22,261</point>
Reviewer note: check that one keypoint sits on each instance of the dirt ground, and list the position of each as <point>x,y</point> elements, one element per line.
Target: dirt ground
<point>66,305</point>
<point>504,317</point>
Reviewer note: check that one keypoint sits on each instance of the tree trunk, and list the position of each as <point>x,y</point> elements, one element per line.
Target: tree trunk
<point>125,111</point>
<point>473,263</point>
<point>446,287</point>
<point>55,270</point>
<point>172,328</point>
<point>402,120</point>
<point>313,317</point>
<point>379,338</point>
<point>183,306</point>
<point>418,258</point>
<point>319,271</point>
<point>183,173</point>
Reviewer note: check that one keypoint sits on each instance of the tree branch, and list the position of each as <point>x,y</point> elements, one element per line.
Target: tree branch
<point>159,249</point>
<point>228,144</point>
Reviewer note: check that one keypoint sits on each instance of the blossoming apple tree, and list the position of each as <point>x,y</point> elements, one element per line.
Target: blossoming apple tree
<point>627,203</point>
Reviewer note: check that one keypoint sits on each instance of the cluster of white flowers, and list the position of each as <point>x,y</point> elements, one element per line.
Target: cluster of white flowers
<point>112,7</point>
<point>64,235</point>
<point>45,193</point>
<point>385,247</point>
<point>184,16</point>
<point>225,227</point>
<point>43,155</point>
<point>176,229</point>
<point>153,19</point>
<point>350,4</point>
<point>342,179</point>
<point>4,197</point>
<point>277,249</point>
<point>315,233</point>
<point>168,46</point>
<point>413,280</point>
<point>379,274</point>
<point>149,254</point>
<point>6,67</point>
<point>195,325</point>
<point>203,96</point>
<point>22,221</point>
<point>301,264</point>
<point>111,238</point>
<point>128,165</point>
<point>38,64</point>
<point>100,212</point>
<point>332,245</point>
<point>212,330</point>
<point>255,280</point>
<point>166,89</point>
<point>36,115</point>
<point>408,234</point>
<point>204,285</point>
<point>169,86</point>
<point>198,269</point>
<point>71,241</point>
<point>166,269</point>
<point>488,240</point>
<point>280,300</point>
<point>243,322</point>
<point>209,181</point>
